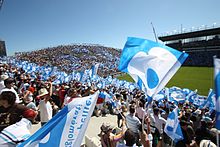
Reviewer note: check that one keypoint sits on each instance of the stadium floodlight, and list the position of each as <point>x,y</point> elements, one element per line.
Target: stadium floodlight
<point>202,27</point>
<point>184,30</point>
<point>214,24</point>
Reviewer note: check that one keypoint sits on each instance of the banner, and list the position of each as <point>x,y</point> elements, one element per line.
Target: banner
<point>67,128</point>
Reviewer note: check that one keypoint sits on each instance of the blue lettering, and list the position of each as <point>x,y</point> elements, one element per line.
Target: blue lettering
<point>70,136</point>
<point>68,143</point>
<point>78,107</point>
<point>76,113</point>
<point>88,102</point>
<point>80,127</point>
<point>71,130</point>
<point>83,120</point>
<point>73,122</point>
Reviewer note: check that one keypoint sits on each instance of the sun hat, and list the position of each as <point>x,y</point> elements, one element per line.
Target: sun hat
<point>42,92</point>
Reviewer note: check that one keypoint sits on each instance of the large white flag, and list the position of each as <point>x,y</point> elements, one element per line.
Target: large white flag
<point>153,63</point>
<point>68,127</point>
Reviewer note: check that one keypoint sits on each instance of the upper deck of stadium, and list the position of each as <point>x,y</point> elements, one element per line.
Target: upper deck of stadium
<point>208,39</point>
<point>191,34</point>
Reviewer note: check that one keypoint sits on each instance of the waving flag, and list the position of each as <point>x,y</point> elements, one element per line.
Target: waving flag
<point>138,81</point>
<point>172,127</point>
<point>153,63</point>
<point>210,101</point>
<point>94,70</point>
<point>68,127</point>
<point>217,90</point>
<point>178,96</point>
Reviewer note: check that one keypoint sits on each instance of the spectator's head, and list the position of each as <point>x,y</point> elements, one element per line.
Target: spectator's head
<point>118,96</point>
<point>206,122</point>
<point>43,93</point>
<point>72,92</point>
<point>132,109</point>
<point>106,128</point>
<point>9,82</point>
<point>184,124</point>
<point>156,110</point>
<point>129,138</point>
<point>31,89</point>
<point>141,104</point>
<point>7,99</point>
<point>133,103</point>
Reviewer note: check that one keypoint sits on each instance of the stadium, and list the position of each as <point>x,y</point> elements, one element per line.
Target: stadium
<point>65,73</point>
<point>65,80</point>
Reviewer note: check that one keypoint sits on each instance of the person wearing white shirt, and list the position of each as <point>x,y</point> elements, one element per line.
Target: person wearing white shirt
<point>46,111</point>
<point>118,109</point>
<point>158,123</point>
<point>133,123</point>
<point>2,78</point>
<point>9,83</point>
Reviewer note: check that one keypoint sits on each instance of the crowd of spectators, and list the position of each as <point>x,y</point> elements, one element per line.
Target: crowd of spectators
<point>69,58</point>
<point>38,101</point>
<point>201,58</point>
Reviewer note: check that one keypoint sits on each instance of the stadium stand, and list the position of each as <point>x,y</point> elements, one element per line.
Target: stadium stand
<point>201,45</point>
<point>76,57</point>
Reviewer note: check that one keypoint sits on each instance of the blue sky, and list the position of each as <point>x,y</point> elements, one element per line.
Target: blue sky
<point>28,25</point>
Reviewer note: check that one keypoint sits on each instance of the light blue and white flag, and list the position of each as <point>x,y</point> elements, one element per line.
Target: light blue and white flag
<point>192,95</point>
<point>94,70</point>
<point>172,127</point>
<point>68,127</point>
<point>138,81</point>
<point>178,96</point>
<point>154,63</point>
<point>217,90</point>
<point>210,101</point>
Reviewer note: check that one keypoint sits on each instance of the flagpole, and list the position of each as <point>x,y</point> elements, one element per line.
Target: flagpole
<point>154,32</point>
<point>172,143</point>
<point>217,137</point>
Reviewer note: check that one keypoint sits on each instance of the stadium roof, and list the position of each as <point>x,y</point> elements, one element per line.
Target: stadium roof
<point>199,33</point>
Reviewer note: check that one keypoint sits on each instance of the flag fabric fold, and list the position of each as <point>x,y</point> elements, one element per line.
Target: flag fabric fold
<point>217,90</point>
<point>153,63</point>
<point>67,128</point>
<point>172,127</point>
<point>210,101</point>
<point>94,70</point>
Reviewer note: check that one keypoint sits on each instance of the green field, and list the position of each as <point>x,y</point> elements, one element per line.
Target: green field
<point>200,78</point>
